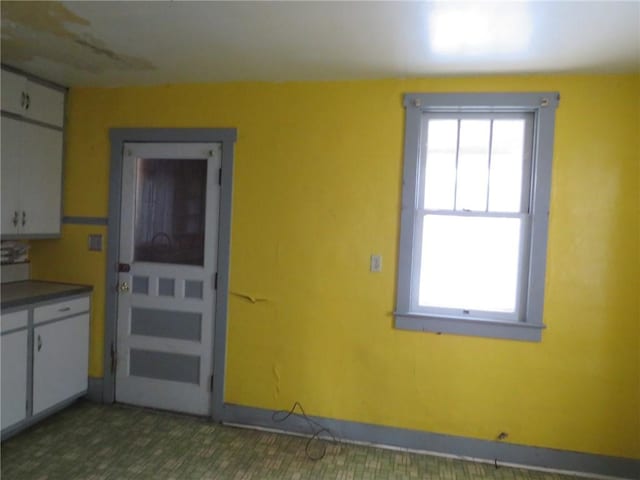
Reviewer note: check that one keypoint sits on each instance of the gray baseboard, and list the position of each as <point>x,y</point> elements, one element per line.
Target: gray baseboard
<point>94,392</point>
<point>494,451</point>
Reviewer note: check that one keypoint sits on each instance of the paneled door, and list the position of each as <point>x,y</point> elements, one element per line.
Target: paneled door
<point>167,275</point>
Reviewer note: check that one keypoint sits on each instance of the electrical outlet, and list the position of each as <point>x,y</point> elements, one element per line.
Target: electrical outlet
<point>376,263</point>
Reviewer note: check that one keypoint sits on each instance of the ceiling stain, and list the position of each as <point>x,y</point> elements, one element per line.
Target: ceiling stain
<point>50,31</point>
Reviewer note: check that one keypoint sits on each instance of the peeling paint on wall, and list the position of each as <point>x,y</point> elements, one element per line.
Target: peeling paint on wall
<point>50,31</point>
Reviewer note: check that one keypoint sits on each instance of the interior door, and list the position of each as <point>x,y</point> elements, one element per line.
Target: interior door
<point>168,254</point>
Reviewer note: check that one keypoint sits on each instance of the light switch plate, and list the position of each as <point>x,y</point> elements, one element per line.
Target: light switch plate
<point>95,242</point>
<point>376,263</point>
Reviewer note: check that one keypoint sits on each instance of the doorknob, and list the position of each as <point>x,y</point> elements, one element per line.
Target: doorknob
<point>124,287</point>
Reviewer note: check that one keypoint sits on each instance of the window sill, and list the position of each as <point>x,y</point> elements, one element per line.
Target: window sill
<point>463,326</point>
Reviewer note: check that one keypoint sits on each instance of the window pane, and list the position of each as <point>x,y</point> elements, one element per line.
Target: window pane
<point>507,151</point>
<point>440,170</point>
<point>170,211</point>
<point>473,165</point>
<point>469,263</point>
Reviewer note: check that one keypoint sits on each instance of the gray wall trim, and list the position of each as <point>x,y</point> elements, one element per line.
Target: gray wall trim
<point>94,390</point>
<point>222,294</point>
<point>15,116</point>
<point>477,328</point>
<point>118,137</point>
<point>172,135</point>
<point>71,220</point>
<point>503,453</point>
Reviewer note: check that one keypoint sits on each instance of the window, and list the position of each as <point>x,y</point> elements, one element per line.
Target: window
<point>477,172</point>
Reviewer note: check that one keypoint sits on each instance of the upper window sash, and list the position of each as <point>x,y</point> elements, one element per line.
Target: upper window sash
<point>527,156</point>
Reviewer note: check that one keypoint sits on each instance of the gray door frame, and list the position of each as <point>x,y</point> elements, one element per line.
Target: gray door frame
<point>118,136</point>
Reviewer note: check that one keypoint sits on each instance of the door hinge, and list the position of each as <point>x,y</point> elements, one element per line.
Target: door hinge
<point>114,358</point>
<point>220,176</point>
<point>215,281</point>
<point>211,383</point>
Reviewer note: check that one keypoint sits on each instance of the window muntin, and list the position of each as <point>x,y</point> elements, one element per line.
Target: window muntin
<point>512,170</point>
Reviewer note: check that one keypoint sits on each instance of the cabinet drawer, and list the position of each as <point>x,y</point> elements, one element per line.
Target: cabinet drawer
<point>13,320</point>
<point>64,308</point>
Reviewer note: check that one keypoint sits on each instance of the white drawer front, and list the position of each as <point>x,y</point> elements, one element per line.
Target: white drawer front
<point>64,308</point>
<point>13,320</point>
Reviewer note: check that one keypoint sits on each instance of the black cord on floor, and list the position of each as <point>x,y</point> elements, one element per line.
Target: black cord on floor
<point>316,430</point>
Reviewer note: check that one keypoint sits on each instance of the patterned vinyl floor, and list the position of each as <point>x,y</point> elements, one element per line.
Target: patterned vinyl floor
<point>95,442</point>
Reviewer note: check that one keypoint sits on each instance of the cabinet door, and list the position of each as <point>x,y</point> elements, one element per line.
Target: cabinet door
<point>13,395</point>
<point>12,141</point>
<point>45,104</point>
<point>13,91</point>
<point>41,182</point>
<point>60,361</point>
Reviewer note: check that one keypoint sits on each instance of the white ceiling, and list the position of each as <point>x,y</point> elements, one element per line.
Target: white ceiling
<point>125,43</point>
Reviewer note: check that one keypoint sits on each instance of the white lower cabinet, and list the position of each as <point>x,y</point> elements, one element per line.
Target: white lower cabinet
<point>58,355</point>
<point>60,359</point>
<point>14,378</point>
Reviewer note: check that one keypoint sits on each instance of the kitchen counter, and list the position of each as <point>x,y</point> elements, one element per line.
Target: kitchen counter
<point>16,294</point>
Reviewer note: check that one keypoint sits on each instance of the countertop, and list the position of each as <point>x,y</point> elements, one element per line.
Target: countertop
<point>16,294</point>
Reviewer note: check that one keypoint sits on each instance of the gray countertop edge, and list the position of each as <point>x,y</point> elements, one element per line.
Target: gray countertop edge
<point>27,299</point>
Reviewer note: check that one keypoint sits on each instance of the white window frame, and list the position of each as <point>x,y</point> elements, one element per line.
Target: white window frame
<point>526,324</point>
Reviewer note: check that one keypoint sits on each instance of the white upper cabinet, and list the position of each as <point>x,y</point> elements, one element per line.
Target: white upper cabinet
<point>13,92</point>
<point>32,149</point>
<point>10,166</point>
<point>31,99</point>
<point>41,187</point>
<point>31,179</point>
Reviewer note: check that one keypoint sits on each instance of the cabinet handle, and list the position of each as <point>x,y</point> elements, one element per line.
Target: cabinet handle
<point>15,218</point>
<point>28,101</point>
<point>23,99</point>
<point>65,309</point>
<point>24,218</point>
<point>39,343</point>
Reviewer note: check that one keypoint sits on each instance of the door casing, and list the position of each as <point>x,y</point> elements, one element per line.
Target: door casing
<point>118,137</point>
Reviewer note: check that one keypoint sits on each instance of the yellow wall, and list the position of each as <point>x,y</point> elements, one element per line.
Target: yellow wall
<point>317,190</point>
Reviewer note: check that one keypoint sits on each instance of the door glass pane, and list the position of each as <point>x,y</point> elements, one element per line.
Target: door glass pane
<point>470,263</point>
<point>507,152</point>
<point>440,169</point>
<point>473,165</point>
<point>170,211</point>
